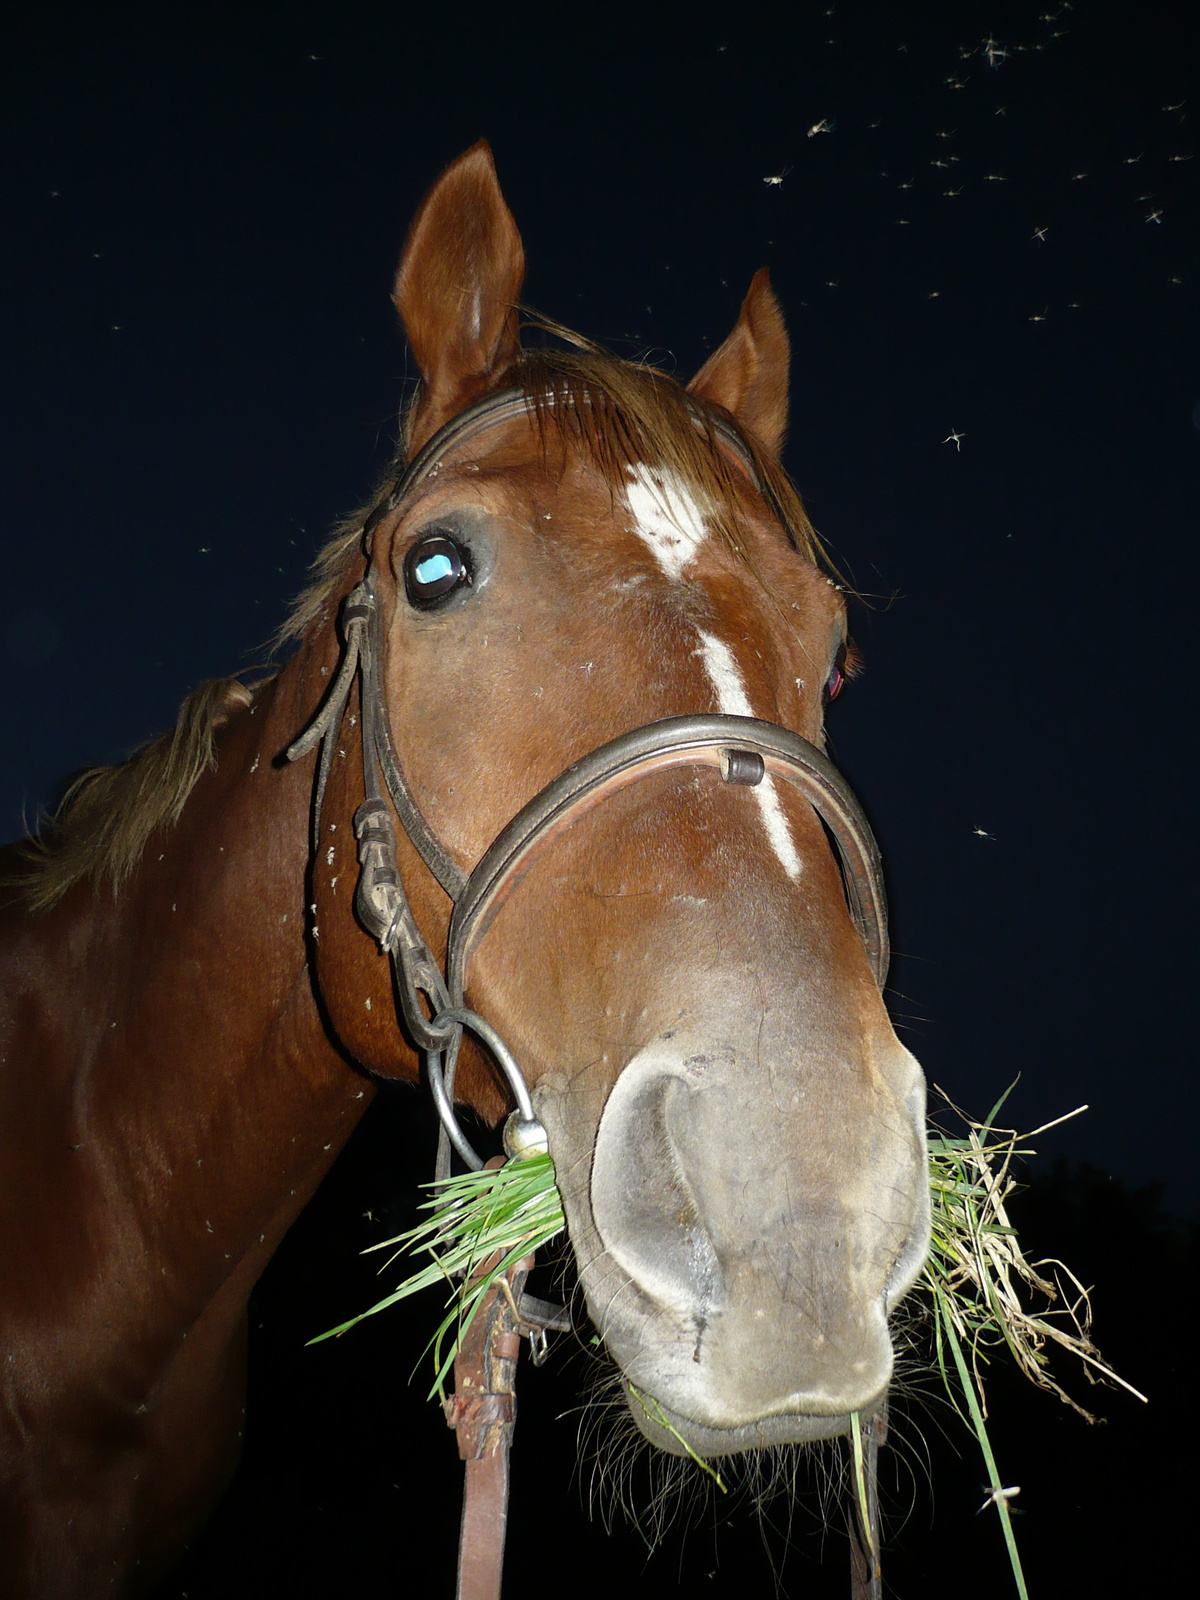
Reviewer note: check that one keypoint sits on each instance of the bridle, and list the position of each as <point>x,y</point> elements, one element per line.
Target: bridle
<point>430,998</point>
<point>743,749</point>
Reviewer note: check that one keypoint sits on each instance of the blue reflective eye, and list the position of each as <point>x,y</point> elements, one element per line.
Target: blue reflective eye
<point>433,568</point>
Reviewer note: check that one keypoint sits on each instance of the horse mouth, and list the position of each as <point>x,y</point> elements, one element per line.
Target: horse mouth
<point>681,1436</point>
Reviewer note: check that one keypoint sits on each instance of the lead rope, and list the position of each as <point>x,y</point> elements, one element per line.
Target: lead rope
<point>482,1412</point>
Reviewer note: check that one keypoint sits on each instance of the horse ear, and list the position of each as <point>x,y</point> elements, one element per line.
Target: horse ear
<point>457,290</point>
<point>748,375</point>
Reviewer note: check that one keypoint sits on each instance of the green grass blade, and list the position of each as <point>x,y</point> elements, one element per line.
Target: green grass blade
<point>506,1212</point>
<point>985,1445</point>
<point>986,1125</point>
<point>655,1413</point>
<point>860,1485</point>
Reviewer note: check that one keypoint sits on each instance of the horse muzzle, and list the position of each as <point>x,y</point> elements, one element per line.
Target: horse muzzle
<point>749,1225</point>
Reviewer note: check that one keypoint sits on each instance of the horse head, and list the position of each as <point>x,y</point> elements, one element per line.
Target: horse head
<point>738,1135</point>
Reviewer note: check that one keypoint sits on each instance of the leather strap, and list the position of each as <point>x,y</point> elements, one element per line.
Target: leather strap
<point>866,1582</point>
<point>483,1528</point>
<point>482,1412</point>
<point>715,741</point>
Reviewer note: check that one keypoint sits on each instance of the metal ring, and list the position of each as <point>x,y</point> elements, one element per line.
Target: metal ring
<point>461,1017</point>
<point>503,1056</point>
<point>445,1110</point>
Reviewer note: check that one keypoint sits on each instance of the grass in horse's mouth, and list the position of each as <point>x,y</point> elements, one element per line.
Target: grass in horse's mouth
<point>503,1213</point>
<point>977,1294</point>
<point>981,1293</point>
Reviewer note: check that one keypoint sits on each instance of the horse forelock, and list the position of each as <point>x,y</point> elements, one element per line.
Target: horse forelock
<point>623,415</point>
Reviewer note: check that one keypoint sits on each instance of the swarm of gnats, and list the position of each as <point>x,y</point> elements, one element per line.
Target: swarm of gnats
<point>981,1295</point>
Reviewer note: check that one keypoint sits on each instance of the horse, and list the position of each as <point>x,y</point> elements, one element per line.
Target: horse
<point>198,1002</point>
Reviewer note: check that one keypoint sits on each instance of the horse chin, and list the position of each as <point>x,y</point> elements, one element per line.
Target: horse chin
<point>677,1435</point>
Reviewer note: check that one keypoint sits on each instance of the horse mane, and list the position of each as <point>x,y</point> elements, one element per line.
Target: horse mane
<point>107,815</point>
<point>621,412</point>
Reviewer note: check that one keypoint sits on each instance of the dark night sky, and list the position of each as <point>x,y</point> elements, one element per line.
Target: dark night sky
<point>202,370</point>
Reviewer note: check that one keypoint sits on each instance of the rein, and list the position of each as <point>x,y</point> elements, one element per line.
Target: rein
<point>430,998</point>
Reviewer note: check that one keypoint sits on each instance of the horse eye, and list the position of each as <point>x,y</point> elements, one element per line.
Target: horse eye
<point>433,568</point>
<point>836,680</point>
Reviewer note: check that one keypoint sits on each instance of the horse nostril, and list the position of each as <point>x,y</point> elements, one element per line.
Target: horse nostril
<point>644,1206</point>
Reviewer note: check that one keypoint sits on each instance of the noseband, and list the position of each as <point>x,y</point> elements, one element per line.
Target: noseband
<point>743,749</point>
<point>430,1000</point>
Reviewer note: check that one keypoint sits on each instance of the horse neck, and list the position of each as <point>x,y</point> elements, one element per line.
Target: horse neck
<point>212,1069</point>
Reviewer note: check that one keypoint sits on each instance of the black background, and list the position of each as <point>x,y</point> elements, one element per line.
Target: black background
<point>202,215</point>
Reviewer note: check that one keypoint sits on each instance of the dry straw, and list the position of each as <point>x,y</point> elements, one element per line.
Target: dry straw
<point>979,1294</point>
<point>986,1295</point>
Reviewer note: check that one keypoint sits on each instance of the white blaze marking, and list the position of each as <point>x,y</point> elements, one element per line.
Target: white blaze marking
<point>668,520</point>
<point>666,516</point>
<point>722,669</point>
